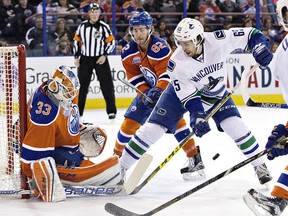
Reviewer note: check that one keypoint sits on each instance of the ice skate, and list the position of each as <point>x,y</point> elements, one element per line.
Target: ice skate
<point>123,176</point>
<point>261,205</point>
<point>263,174</point>
<point>193,168</point>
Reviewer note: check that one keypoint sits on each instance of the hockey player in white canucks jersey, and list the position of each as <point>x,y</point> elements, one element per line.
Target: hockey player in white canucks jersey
<point>198,82</point>
<point>199,75</point>
<point>275,205</point>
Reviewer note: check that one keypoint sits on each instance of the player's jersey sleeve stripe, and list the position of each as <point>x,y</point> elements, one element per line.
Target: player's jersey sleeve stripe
<point>128,55</point>
<point>32,153</point>
<point>189,97</point>
<point>37,149</point>
<point>70,147</point>
<point>137,80</point>
<point>165,77</point>
<point>161,58</point>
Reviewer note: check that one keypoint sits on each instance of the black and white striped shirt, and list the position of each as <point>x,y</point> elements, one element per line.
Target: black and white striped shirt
<point>93,40</point>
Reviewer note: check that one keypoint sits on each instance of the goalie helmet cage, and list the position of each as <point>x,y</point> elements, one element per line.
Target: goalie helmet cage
<point>13,116</point>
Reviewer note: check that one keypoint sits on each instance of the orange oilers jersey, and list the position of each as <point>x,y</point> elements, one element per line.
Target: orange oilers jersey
<point>146,70</point>
<point>48,126</point>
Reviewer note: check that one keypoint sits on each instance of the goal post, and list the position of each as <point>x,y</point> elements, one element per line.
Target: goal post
<point>13,116</point>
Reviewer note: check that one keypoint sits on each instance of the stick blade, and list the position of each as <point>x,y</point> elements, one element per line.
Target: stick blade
<point>137,173</point>
<point>118,211</point>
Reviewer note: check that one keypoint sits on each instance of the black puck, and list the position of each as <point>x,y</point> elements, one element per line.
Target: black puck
<point>216,156</point>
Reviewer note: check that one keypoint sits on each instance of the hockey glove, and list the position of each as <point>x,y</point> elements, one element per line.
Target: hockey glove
<point>276,142</point>
<point>197,123</point>
<point>262,55</point>
<point>154,94</point>
<point>68,158</point>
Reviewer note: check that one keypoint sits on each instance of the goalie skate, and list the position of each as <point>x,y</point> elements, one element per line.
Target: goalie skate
<point>261,205</point>
<point>193,168</point>
<point>263,174</point>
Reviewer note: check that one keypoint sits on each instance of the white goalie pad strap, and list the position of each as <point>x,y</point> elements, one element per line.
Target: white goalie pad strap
<point>47,180</point>
<point>92,141</point>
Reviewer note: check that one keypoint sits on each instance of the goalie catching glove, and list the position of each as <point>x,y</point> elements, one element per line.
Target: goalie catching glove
<point>276,142</point>
<point>92,140</point>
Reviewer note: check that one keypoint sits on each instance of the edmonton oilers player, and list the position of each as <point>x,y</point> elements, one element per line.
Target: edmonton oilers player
<point>55,136</point>
<point>198,74</point>
<point>145,61</point>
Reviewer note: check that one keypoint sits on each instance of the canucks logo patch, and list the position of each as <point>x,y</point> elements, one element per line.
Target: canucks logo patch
<point>191,26</point>
<point>73,121</point>
<point>219,34</point>
<point>171,65</point>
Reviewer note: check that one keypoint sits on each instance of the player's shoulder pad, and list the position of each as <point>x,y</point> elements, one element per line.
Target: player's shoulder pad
<point>43,110</point>
<point>158,48</point>
<point>129,49</point>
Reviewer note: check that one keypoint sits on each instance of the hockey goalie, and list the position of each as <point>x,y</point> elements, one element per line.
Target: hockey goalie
<point>56,142</point>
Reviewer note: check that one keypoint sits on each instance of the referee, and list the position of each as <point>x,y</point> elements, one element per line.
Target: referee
<point>93,41</point>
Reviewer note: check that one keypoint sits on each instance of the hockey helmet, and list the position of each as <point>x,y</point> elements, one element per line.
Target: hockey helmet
<point>189,30</point>
<point>94,7</point>
<point>142,18</point>
<point>282,13</point>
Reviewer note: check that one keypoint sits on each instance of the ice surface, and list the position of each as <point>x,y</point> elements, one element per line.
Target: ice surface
<point>222,198</point>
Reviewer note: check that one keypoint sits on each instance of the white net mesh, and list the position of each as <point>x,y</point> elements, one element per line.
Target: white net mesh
<point>10,173</point>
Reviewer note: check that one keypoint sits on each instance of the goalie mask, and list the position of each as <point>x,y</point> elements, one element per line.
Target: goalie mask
<point>64,86</point>
<point>141,19</point>
<point>282,13</point>
<point>189,30</point>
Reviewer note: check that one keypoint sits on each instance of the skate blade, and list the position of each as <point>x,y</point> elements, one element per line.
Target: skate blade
<point>197,175</point>
<point>254,206</point>
<point>268,185</point>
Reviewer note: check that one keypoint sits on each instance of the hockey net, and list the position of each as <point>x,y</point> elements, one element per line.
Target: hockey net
<point>13,117</point>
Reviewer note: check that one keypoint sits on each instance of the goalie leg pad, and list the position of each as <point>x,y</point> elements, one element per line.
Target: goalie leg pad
<point>92,141</point>
<point>104,173</point>
<point>47,180</point>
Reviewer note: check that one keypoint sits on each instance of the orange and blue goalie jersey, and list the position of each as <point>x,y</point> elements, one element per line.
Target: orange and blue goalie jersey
<point>146,70</point>
<point>48,127</point>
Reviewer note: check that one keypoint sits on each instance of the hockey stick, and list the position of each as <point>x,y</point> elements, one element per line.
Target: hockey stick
<point>116,210</point>
<point>125,189</point>
<point>73,191</point>
<point>220,104</point>
<point>136,89</point>
<point>250,102</point>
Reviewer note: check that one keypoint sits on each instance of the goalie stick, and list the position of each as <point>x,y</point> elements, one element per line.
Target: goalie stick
<point>209,115</point>
<point>119,211</point>
<point>136,89</point>
<point>250,102</point>
<point>125,189</point>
